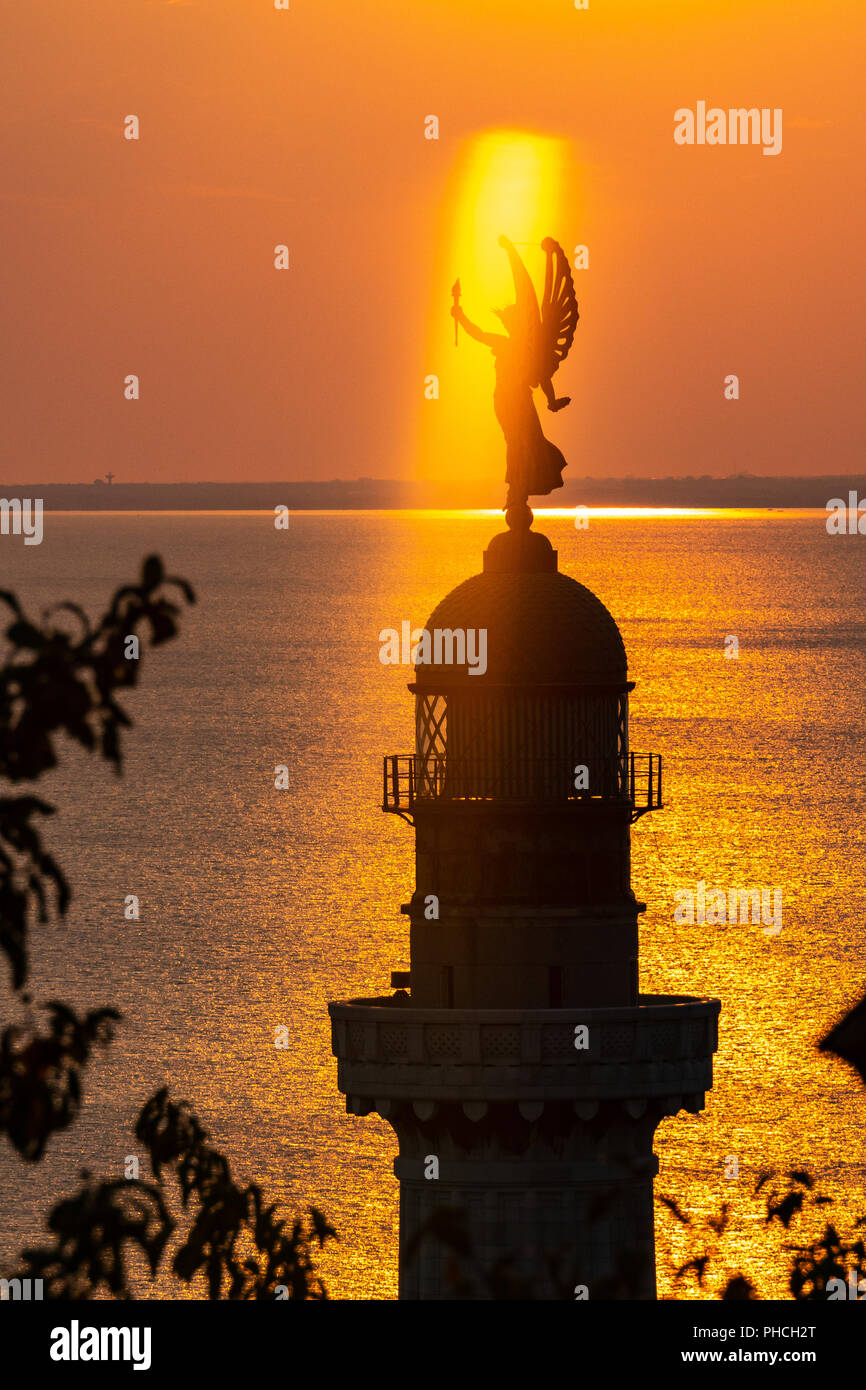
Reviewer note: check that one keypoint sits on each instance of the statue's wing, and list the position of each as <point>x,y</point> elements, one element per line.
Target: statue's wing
<point>558,309</point>
<point>525,298</point>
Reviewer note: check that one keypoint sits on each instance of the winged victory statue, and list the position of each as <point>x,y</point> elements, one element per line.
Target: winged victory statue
<point>527,355</point>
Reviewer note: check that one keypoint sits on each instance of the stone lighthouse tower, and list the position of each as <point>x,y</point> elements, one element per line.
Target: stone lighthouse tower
<point>521,1069</point>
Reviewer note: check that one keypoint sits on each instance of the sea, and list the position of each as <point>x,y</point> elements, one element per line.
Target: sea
<point>258,904</point>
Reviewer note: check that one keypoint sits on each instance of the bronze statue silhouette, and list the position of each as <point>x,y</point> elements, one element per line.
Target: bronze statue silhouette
<point>527,355</point>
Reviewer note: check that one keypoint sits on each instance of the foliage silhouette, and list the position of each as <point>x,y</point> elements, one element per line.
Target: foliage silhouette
<point>60,676</point>
<point>786,1198</point>
<point>848,1039</point>
<point>40,1076</point>
<point>234,1240</point>
<point>56,680</point>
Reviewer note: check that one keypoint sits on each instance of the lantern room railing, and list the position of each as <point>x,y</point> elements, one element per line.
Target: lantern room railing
<point>409,780</point>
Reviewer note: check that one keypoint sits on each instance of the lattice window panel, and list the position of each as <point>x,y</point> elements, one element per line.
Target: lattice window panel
<point>622,726</point>
<point>617,1040</point>
<point>664,1039</point>
<point>557,1042</point>
<point>357,1039</point>
<point>500,1043</point>
<point>431,724</point>
<point>394,1040</point>
<point>444,1042</point>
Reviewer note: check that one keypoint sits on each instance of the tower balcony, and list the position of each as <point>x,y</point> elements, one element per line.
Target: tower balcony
<point>409,781</point>
<point>660,1049</point>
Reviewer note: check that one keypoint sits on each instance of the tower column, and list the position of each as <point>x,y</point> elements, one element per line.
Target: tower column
<point>536,1125</point>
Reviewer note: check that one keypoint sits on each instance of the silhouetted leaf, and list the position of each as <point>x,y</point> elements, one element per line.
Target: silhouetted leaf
<point>152,572</point>
<point>785,1209</point>
<point>801,1176</point>
<point>673,1207</point>
<point>739,1288</point>
<point>764,1177</point>
<point>848,1038</point>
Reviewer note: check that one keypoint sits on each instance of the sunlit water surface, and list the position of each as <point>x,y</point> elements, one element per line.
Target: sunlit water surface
<point>258,905</point>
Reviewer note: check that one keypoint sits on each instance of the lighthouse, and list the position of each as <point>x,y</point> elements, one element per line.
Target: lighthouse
<point>522,1070</point>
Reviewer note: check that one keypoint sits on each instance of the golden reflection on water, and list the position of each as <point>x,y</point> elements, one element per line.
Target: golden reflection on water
<point>262,906</point>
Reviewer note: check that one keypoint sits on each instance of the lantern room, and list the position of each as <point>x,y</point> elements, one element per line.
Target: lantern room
<point>522,789</point>
<point>546,719</point>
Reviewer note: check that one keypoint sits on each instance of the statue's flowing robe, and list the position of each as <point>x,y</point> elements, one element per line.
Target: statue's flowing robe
<point>533,465</point>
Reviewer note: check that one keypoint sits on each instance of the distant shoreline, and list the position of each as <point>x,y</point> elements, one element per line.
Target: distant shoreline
<point>369,494</point>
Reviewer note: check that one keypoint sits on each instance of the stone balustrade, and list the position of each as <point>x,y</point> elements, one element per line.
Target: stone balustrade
<point>660,1048</point>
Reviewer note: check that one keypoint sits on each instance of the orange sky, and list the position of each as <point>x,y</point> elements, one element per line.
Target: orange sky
<point>261,127</point>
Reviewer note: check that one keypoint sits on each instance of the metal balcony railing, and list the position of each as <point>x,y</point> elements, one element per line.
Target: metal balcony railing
<point>409,780</point>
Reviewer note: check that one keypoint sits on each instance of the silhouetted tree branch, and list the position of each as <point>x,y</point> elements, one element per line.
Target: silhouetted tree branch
<point>237,1243</point>
<point>827,1257</point>
<point>40,1085</point>
<point>55,681</point>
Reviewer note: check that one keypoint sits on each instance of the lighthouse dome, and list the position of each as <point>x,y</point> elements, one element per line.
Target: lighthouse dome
<point>542,629</point>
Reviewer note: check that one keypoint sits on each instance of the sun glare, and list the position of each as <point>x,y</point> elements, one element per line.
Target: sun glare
<point>511,182</point>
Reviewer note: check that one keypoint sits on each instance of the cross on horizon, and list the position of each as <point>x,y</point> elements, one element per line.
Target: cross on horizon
<point>109,476</point>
